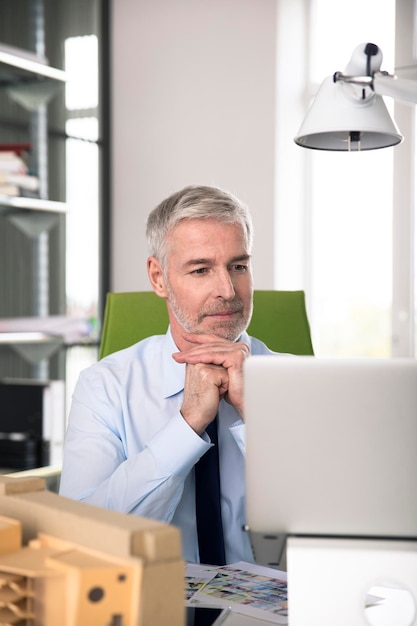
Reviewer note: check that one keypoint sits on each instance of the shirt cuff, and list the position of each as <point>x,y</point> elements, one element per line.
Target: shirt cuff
<point>177,447</point>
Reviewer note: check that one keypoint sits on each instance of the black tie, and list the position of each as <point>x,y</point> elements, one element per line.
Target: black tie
<point>207,502</point>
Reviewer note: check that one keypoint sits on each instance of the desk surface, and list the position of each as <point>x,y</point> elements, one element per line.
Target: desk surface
<point>396,608</point>
<point>234,619</point>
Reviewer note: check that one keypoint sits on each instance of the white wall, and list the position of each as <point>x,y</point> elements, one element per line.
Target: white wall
<point>193,101</point>
<point>404,284</point>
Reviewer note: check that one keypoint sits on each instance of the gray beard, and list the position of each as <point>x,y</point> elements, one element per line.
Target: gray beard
<point>227,330</point>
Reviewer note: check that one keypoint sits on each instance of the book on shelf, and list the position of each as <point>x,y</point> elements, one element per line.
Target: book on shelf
<point>9,190</point>
<point>19,148</point>
<point>15,176</point>
<point>26,181</point>
<point>14,191</point>
<point>12,163</point>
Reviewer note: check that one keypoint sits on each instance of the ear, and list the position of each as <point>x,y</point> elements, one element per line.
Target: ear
<point>156,277</point>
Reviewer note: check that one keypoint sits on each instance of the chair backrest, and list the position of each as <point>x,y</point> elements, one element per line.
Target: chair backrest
<point>279,319</point>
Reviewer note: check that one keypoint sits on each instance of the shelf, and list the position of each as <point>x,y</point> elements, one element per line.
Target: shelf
<point>33,347</point>
<point>29,338</point>
<point>27,79</point>
<point>17,65</point>
<point>10,204</point>
<point>52,328</point>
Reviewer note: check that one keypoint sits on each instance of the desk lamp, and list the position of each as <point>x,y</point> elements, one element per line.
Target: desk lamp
<point>349,113</point>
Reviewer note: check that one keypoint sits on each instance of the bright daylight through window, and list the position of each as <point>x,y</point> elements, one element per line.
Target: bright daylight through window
<point>351,199</point>
<point>81,64</point>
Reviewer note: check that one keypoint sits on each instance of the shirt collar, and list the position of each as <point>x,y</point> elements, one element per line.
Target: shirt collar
<point>173,373</point>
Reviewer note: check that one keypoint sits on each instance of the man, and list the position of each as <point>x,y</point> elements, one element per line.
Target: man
<point>139,418</point>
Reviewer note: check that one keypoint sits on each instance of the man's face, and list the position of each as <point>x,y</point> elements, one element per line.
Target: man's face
<point>209,279</point>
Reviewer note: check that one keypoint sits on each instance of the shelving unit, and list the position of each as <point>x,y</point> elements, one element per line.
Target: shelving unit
<point>30,83</point>
<point>27,84</point>
<point>39,236</point>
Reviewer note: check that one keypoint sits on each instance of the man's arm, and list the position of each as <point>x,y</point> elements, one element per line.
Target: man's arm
<point>104,465</point>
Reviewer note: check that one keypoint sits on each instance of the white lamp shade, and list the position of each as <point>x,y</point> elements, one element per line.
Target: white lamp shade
<point>338,120</point>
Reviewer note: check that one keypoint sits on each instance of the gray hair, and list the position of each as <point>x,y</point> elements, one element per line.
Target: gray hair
<point>194,202</point>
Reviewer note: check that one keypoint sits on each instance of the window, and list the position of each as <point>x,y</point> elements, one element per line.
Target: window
<point>341,223</point>
<point>82,158</point>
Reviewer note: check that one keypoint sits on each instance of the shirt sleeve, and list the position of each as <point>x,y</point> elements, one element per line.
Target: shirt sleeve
<point>238,432</point>
<point>99,468</point>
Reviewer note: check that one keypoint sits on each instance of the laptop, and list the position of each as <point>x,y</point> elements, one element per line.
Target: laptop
<point>331,446</point>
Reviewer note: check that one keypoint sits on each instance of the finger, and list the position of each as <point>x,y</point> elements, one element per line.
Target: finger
<point>226,359</point>
<point>216,346</point>
<point>216,353</point>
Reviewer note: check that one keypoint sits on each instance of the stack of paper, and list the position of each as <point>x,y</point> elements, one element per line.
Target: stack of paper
<point>245,588</point>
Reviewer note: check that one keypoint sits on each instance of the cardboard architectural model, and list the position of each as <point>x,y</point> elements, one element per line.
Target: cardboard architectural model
<point>65,563</point>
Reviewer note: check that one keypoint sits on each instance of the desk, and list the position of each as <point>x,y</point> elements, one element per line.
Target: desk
<point>234,619</point>
<point>329,581</point>
<point>356,582</point>
<point>397,610</point>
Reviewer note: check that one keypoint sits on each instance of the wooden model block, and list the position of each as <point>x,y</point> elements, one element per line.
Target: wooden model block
<point>69,563</point>
<point>10,535</point>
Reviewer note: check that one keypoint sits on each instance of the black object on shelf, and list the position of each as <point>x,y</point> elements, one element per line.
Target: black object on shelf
<point>22,404</point>
<point>20,451</point>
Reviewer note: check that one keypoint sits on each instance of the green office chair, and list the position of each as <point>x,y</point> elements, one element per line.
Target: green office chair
<point>279,319</point>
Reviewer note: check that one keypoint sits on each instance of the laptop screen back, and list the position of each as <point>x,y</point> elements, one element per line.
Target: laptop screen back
<point>331,446</point>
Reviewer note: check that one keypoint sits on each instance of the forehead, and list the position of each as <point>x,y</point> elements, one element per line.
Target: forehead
<point>208,233</point>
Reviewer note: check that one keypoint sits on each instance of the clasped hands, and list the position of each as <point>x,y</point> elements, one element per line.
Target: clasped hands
<point>214,371</point>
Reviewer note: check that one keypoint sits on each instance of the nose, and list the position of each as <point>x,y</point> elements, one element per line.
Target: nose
<point>224,285</point>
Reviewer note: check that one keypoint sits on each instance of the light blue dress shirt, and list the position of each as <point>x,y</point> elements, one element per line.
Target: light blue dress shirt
<point>128,448</point>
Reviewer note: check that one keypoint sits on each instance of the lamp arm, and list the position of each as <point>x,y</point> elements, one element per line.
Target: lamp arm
<point>385,84</point>
<point>362,81</point>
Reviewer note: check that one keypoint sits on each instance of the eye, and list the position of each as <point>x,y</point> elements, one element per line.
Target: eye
<point>200,270</point>
<point>239,268</point>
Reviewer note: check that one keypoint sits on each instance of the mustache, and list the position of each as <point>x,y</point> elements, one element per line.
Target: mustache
<point>222,309</point>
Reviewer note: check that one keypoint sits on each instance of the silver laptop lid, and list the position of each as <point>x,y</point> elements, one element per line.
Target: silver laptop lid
<point>331,446</point>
